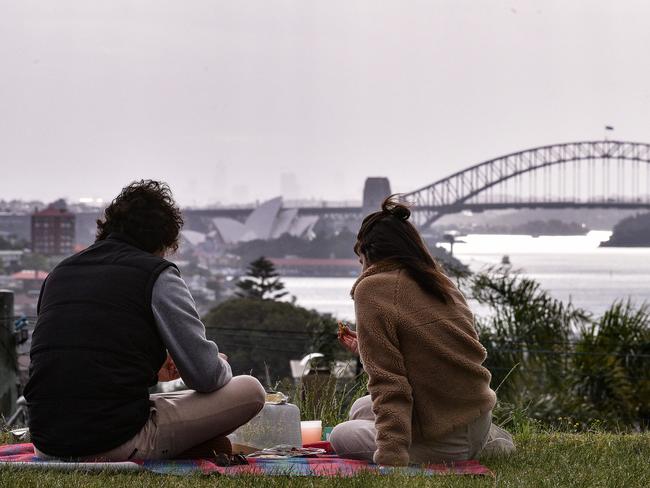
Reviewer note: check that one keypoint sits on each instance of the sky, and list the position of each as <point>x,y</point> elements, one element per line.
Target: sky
<point>240,101</point>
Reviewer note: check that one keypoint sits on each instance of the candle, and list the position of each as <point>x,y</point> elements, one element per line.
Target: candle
<point>311,431</point>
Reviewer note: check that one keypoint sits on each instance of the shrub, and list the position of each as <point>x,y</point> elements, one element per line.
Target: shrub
<point>611,372</point>
<point>261,334</point>
<point>528,336</point>
<point>559,364</point>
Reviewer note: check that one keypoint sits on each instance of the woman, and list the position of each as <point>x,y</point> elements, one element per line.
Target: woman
<point>430,398</point>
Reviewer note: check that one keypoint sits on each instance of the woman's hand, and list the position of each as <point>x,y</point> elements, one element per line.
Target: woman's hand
<point>223,356</point>
<point>168,372</point>
<point>348,339</point>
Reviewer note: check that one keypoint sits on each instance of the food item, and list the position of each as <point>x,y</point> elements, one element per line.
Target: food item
<point>342,329</point>
<point>284,451</point>
<point>276,397</point>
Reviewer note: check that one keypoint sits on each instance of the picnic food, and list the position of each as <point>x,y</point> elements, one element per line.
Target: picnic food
<point>341,329</point>
<point>284,451</point>
<point>276,397</point>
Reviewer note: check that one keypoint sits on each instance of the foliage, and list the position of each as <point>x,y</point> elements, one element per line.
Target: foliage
<point>327,398</point>
<point>263,282</point>
<point>12,243</point>
<point>553,227</point>
<point>526,327</point>
<point>612,365</point>
<point>552,360</point>
<point>632,231</point>
<point>257,334</point>
<point>324,339</point>
<point>535,227</point>
<point>338,245</point>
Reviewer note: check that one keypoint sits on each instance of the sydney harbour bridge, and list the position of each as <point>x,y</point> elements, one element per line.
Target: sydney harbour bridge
<point>591,174</point>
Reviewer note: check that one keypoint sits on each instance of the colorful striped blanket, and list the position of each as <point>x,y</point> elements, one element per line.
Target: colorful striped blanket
<point>22,456</point>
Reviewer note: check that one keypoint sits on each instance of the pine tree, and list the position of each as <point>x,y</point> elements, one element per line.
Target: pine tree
<point>261,282</point>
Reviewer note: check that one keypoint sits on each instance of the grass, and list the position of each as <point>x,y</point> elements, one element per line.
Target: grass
<point>325,398</point>
<point>542,460</point>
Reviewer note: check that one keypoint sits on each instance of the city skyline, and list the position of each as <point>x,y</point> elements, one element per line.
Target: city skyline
<point>233,103</point>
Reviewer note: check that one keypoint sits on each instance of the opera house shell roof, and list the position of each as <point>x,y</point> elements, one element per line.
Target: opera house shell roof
<point>268,221</point>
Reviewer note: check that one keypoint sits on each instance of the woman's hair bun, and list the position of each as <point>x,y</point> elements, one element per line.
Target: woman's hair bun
<point>396,208</point>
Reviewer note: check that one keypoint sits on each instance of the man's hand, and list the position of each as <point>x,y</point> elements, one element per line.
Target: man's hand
<point>348,339</point>
<point>168,372</point>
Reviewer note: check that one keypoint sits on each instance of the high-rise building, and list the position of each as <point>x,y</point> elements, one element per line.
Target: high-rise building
<point>53,231</point>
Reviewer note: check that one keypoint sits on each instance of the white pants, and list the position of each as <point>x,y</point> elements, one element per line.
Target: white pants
<point>355,438</point>
<point>181,420</point>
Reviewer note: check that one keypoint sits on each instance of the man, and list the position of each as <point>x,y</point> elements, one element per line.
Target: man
<point>112,321</point>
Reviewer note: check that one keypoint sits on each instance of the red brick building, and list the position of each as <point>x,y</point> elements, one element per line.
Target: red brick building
<point>53,231</point>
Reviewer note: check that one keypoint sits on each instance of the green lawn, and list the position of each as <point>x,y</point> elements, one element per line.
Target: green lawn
<point>549,460</point>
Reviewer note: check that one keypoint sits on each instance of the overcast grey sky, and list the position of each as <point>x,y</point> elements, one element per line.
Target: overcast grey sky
<point>221,98</point>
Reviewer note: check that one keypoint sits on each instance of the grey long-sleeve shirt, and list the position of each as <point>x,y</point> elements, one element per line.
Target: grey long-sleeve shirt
<point>197,359</point>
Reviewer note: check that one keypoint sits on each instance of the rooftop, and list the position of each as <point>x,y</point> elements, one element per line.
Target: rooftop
<point>52,212</point>
<point>29,274</point>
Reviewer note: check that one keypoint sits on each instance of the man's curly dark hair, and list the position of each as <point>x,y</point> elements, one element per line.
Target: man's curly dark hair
<point>146,212</point>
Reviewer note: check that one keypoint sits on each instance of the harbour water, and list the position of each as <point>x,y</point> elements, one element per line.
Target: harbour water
<point>571,267</point>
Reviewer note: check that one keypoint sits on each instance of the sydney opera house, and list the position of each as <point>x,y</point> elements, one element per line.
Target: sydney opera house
<point>267,221</point>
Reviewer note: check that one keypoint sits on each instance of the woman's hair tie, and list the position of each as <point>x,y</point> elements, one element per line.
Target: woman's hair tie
<point>393,207</point>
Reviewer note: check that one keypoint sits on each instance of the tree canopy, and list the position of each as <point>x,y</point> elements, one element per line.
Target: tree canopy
<point>631,232</point>
<point>262,282</point>
<point>322,246</point>
<point>256,334</point>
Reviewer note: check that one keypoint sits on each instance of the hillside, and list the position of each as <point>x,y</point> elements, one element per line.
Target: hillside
<point>632,231</point>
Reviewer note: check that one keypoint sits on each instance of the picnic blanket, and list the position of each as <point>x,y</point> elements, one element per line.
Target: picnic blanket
<point>22,456</point>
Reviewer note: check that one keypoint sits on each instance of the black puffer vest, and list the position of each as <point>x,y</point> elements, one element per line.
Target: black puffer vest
<point>95,350</point>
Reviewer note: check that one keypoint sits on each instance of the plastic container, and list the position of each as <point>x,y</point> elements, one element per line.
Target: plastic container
<point>276,424</point>
<point>311,431</point>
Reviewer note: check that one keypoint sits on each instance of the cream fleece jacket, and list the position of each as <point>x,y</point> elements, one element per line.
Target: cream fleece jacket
<point>423,360</point>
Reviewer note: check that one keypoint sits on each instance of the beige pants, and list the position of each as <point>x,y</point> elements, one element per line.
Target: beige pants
<point>181,420</point>
<point>356,438</point>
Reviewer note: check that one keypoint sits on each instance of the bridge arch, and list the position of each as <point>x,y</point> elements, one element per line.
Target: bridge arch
<point>463,190</point>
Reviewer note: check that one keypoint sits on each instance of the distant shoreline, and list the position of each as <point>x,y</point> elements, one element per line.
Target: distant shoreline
<point>632,231</point>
